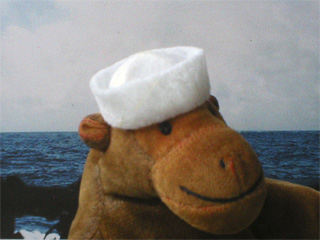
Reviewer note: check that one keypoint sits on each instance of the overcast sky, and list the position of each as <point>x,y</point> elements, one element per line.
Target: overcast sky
<point>262,57</point>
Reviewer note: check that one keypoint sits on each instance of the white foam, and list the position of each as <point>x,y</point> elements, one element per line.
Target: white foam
<point>37,235</point>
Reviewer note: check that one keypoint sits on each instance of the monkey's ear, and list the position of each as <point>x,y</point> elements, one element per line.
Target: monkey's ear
<point>213,106</point>
<point>214,101</point>
<point>95,132</point>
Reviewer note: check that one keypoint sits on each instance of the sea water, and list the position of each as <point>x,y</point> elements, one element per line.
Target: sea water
<point>57,158</point>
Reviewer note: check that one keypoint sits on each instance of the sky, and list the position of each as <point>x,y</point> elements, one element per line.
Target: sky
<point>262,57</point>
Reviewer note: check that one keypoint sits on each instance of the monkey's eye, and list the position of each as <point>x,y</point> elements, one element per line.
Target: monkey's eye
<point>165,128</point>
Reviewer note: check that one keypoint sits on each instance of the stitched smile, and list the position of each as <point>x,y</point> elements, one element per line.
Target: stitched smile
<point>224,200</point>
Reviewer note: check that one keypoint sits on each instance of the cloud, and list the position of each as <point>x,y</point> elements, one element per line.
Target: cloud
<point>29,14</point>
<point>263,58</point>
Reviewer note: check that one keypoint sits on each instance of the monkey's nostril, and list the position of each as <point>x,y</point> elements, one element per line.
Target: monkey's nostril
<point>222,164</point>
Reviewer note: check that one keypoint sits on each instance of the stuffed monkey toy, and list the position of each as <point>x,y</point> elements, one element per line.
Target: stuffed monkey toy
<point>164,164</point>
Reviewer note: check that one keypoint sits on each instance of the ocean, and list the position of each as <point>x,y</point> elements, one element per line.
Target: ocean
<point>57,159</point>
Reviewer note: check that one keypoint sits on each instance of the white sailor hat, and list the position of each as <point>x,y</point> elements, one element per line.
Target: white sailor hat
<point>151,86</point>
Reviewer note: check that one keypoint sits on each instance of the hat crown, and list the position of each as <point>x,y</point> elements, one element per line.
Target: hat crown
<point>141,65</point>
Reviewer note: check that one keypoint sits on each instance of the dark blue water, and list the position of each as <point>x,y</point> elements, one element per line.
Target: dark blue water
<point>287,155</point>
<point>48,159</point>
<point>42,159</point>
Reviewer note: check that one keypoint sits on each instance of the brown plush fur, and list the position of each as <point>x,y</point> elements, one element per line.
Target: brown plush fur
<point>202,180</point>
<point>290,211</point>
